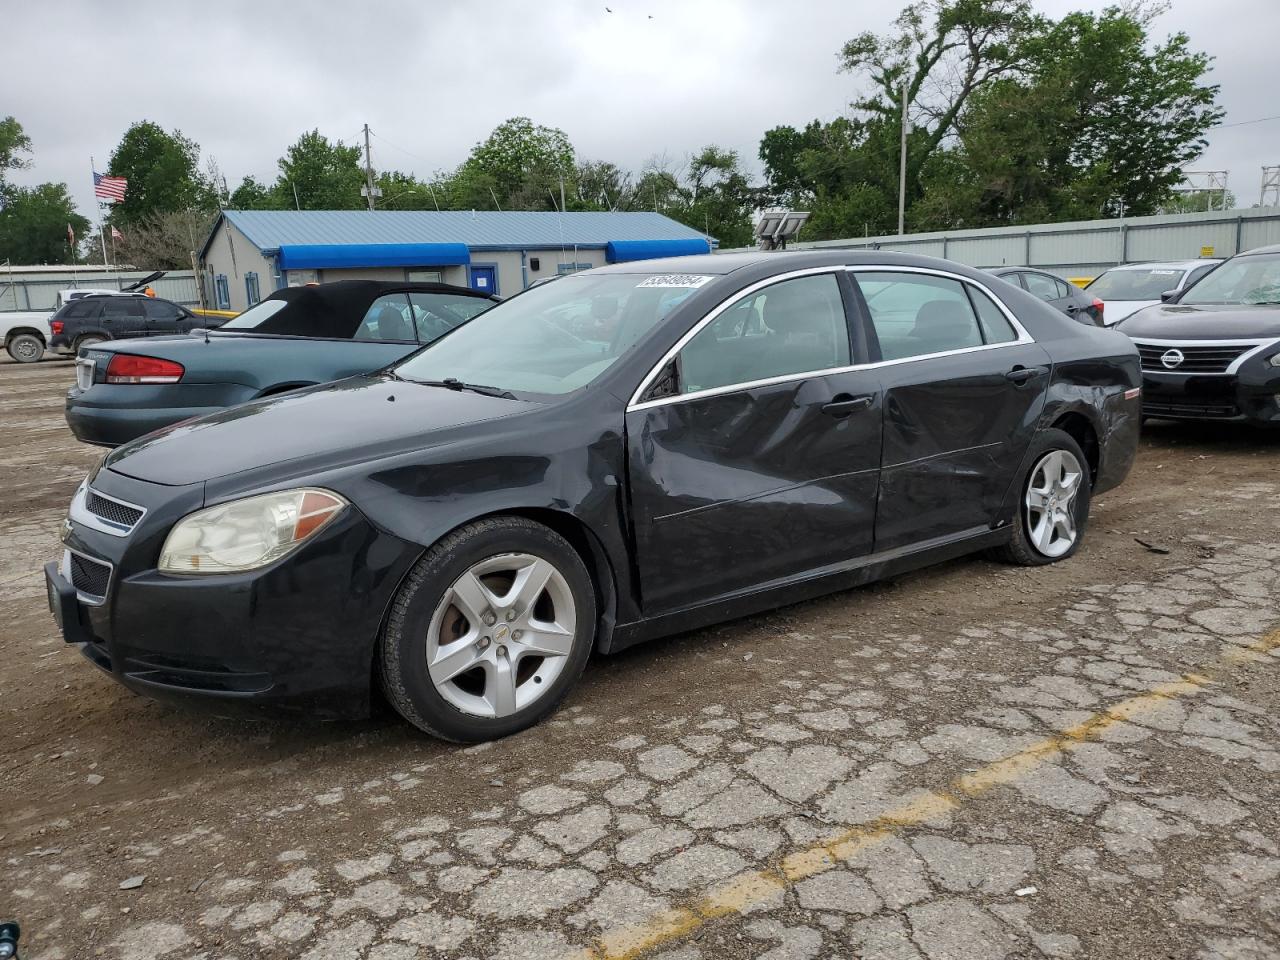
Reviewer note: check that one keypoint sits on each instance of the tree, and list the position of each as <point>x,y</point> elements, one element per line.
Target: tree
<point>519,166</point>
<point>163,173</point>
<point>253,195</point>
<point>708,192</point>
<point>164,241</point>
<point>13,144</point>
<point>33,225</point>
<point>326,176</point>
<point>1099,124</point>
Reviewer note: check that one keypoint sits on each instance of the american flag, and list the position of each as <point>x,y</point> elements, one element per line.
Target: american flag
<point>117,235</point>
<point>109,188</point>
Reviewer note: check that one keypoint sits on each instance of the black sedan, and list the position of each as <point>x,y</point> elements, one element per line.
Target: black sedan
<point>1212,351</point>
<point>1058,293</point>
<point>723,435</point>
<point>296,337</point>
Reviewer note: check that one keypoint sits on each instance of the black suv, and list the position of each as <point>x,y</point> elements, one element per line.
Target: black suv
<point>89,320</point>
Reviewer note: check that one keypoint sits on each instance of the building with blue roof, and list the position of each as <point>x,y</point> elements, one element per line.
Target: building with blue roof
<point>249,253</point>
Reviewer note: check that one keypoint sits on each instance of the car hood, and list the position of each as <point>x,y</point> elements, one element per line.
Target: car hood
<point>1175,321</point>
<point>338,422</point>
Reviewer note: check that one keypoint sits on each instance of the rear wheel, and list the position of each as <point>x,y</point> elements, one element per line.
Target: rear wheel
<point>88,340</point>
<point>489,631</point>
<point>25,348</point>
<point>1053,503</point>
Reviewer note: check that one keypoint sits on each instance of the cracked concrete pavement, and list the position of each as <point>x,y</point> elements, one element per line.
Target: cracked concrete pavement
<point>973,762</point>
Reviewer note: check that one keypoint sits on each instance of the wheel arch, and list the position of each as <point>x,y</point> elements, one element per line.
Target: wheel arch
<point>579,536</point>
<point>19,331</point>
<point>1083,431</point>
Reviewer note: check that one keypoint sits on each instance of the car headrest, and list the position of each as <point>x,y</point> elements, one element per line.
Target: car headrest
<point>945,322</point>
<point>792,308</point>
<point>391,324</point>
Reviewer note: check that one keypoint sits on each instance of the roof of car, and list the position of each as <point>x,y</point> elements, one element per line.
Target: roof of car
<point>1166,264</point>
<point>1270,248</point>
<point>719,264</point>
<point>368,289</point>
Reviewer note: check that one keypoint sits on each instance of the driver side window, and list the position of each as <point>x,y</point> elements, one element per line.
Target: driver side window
<point>388,318</point>
<point>793,327</point>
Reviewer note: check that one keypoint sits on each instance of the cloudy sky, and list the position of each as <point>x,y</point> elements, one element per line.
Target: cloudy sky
<point>244,78</point>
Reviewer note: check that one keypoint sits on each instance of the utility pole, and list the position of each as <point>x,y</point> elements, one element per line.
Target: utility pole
<point>368,169</point>
<point>902,163</point>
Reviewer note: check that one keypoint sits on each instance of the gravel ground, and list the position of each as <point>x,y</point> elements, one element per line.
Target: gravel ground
<point>971,762</point>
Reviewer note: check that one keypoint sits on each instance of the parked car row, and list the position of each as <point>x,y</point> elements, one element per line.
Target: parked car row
<point>621,454</point>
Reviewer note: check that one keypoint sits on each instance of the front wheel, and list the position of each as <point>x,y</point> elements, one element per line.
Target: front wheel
<point>1053,502</point>
<point>489,631</point>
<point>25,348</point>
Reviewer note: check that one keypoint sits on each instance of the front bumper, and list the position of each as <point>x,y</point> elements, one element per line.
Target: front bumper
<point>1250,396</point>
<point>297,635</point>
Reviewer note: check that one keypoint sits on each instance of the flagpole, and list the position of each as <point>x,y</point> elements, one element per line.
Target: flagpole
<point>101,236</point>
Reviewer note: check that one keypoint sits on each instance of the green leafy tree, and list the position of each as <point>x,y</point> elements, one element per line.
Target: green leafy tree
<point>326,176</point>
<point>519,166</point>
<point>709,192</point>
<point>252,194</point>
<point>1099,124</point>
<point>33,225</point>
<point>163,173</point>
<point>13,144</point>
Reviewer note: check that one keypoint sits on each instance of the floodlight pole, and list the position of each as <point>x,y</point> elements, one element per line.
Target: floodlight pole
<point>368,168</point>
<point>902,163</point>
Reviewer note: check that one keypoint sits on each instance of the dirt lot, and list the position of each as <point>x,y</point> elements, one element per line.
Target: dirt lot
<point>975,761</point>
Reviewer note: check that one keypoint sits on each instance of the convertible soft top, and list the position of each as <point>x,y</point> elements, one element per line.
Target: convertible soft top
<point>335,309</point>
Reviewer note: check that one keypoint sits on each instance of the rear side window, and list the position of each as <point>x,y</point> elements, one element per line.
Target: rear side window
<point>113,307</point>
<point>1046,288</point>
<point>996,327</point>
<point>915,314</point>
<point>77,308</point>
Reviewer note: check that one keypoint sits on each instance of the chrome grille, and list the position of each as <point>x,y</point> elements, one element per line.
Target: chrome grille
<point>88,576</point>
<point>111,510</point>
<point>1201,358</point>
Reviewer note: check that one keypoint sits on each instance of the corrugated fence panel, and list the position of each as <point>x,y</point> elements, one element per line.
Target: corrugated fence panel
<point>1067,247</point>
<point>1259,233</point>
<point>988,251</point>
<point>42,294</point>
<point>1181,241</point>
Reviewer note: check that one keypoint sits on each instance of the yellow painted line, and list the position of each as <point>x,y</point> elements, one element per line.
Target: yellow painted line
<point>759,887</point>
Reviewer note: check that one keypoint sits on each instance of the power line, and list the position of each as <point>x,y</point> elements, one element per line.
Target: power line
<point>1244,123</point>
<point>400,148</point>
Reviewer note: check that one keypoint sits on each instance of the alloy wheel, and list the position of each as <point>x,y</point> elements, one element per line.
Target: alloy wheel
<point>501,635</point>
<point>1050,503</point>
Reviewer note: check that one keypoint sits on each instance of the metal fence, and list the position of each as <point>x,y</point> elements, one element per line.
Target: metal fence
<point>1087,247</point>
<point>41,293</point>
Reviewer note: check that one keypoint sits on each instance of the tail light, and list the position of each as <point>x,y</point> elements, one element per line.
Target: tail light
<point>1099,306</point>
<point>127,368</point>
<point>56,327</point>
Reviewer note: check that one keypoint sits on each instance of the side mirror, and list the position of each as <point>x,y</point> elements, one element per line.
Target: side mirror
<point>1169,296</point>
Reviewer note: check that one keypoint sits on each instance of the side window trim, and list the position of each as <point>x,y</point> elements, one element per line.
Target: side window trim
<point>636,403</point>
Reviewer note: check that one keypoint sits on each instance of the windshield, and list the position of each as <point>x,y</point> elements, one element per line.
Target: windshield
<point>554,338</point>
<point>1247,279</point>
<point>1136,284</point>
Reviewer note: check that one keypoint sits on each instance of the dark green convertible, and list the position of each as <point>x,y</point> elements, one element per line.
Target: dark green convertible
<point>296,337</point>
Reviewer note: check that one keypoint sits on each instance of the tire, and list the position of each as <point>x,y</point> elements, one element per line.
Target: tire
<point>1028,545</point>
<point>88,340</point>
<point>438,607</point>
<point>25,348</point>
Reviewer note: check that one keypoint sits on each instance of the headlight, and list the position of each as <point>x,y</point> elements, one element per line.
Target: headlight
<point>246,534</point>
<point>1275,360</point>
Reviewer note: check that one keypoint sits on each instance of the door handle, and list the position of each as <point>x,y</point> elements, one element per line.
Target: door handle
<point>1020,375</point>
<point>842,404</point>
